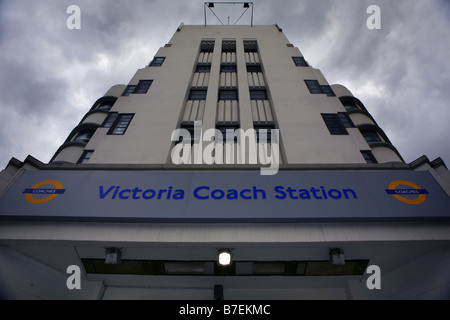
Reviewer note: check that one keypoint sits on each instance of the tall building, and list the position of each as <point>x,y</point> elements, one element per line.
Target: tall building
<point>227,141</point>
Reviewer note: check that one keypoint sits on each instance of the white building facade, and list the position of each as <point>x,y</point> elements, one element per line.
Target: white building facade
<point>317,196</point>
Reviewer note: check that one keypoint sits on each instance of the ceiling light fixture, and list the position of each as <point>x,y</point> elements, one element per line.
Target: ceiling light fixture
<point>224,258</point>
<point>337,257</point>
<point>112,255</point>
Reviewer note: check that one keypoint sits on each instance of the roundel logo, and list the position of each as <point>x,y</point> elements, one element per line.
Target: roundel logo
<point>44,191</point>
<point>407,192</point>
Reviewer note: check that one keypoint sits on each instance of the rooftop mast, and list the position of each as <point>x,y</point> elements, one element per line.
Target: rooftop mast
<point>245,5</point>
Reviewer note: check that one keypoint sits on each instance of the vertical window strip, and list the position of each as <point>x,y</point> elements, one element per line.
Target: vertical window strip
<point>369,157</point>
<point>86,156</point>
<point>345,120</point>
<point>327,90</point>
<point>264,129</point>
<point>197,95</point>
<point>141,88</point>
<point>157,61</point>
<point>121,124</point>
<point>334,124</point>
<point>258,94</point>
<point>313,86</point>
<point>129,90</point>
<point>300,61</point>
<point>110,119</point>
<point>371,136</point>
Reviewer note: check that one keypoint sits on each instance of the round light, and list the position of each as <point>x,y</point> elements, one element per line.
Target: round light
<point>224,258</point>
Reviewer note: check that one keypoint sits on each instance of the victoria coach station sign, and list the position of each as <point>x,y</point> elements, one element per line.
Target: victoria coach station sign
<point>224,196</point>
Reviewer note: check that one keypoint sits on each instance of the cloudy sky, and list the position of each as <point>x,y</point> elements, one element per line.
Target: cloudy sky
<point>50,76</point>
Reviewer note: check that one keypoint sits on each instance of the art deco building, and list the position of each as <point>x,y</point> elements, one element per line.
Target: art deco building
<point>147,191</point>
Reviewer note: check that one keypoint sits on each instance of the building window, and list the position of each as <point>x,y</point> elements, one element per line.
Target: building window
<point>250,46</point>
<point>228,46</point>
<point>371,136</point>
<point>350,105</point>
<point>206,52</point>
<point>84,136</point>
<point>191,129</point>
<point>328,91</point>
<point>223,130</point>
<point>228,95</point>
<point>228,68</point>
<point>120,124</point>
<point>110,119</point>
<point>251,52</point>
<point>345,120</point>
<point>300,61</point>
<point>207,46</point>
<point>264,129</point>
<point>368,156</point>
<point>141,88</point>
<point>129,90</point>
<point>258,95</point>
<point>197,95</point>
<point>228,51</point>
<point>85,156</point>
<point>105,106</point>
<point>315,88</point>
<point>203,68</point>
<point>157,61</point>
<point>254,68</point>
<point>334,124</point>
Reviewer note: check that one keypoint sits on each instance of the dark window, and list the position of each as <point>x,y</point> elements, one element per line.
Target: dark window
<point>345,120</point>
<point>228,95</point>
<point>254,68</point>
<point>313,86</point>
<point>85,156</point>
<point>140,88</point>
<point>223,129</point>
<point>371,136</point>
<point>300,61</point>
<point>84,136</point>
<point>250,46</point>
<point>110,119</point>
<point>258,95</point>
<point>121,124</point>
<point>203,68</point>
<point>368,156</point>
<point>157,61</point>
<point>105,106</point>
<point>328,91</point>
<point>231,68</point>
<point>334,124</point>
<point>228,46</point>
<point>197,95</point>
<point>129,90</point>
<point>207,46</point>
<point>143,86</point>
<point>190,128</point>
<point>350,105</point>
<point>264,129</point>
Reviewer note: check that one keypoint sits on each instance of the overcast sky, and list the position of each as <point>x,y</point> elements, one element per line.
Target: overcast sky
<point>50,76</point>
